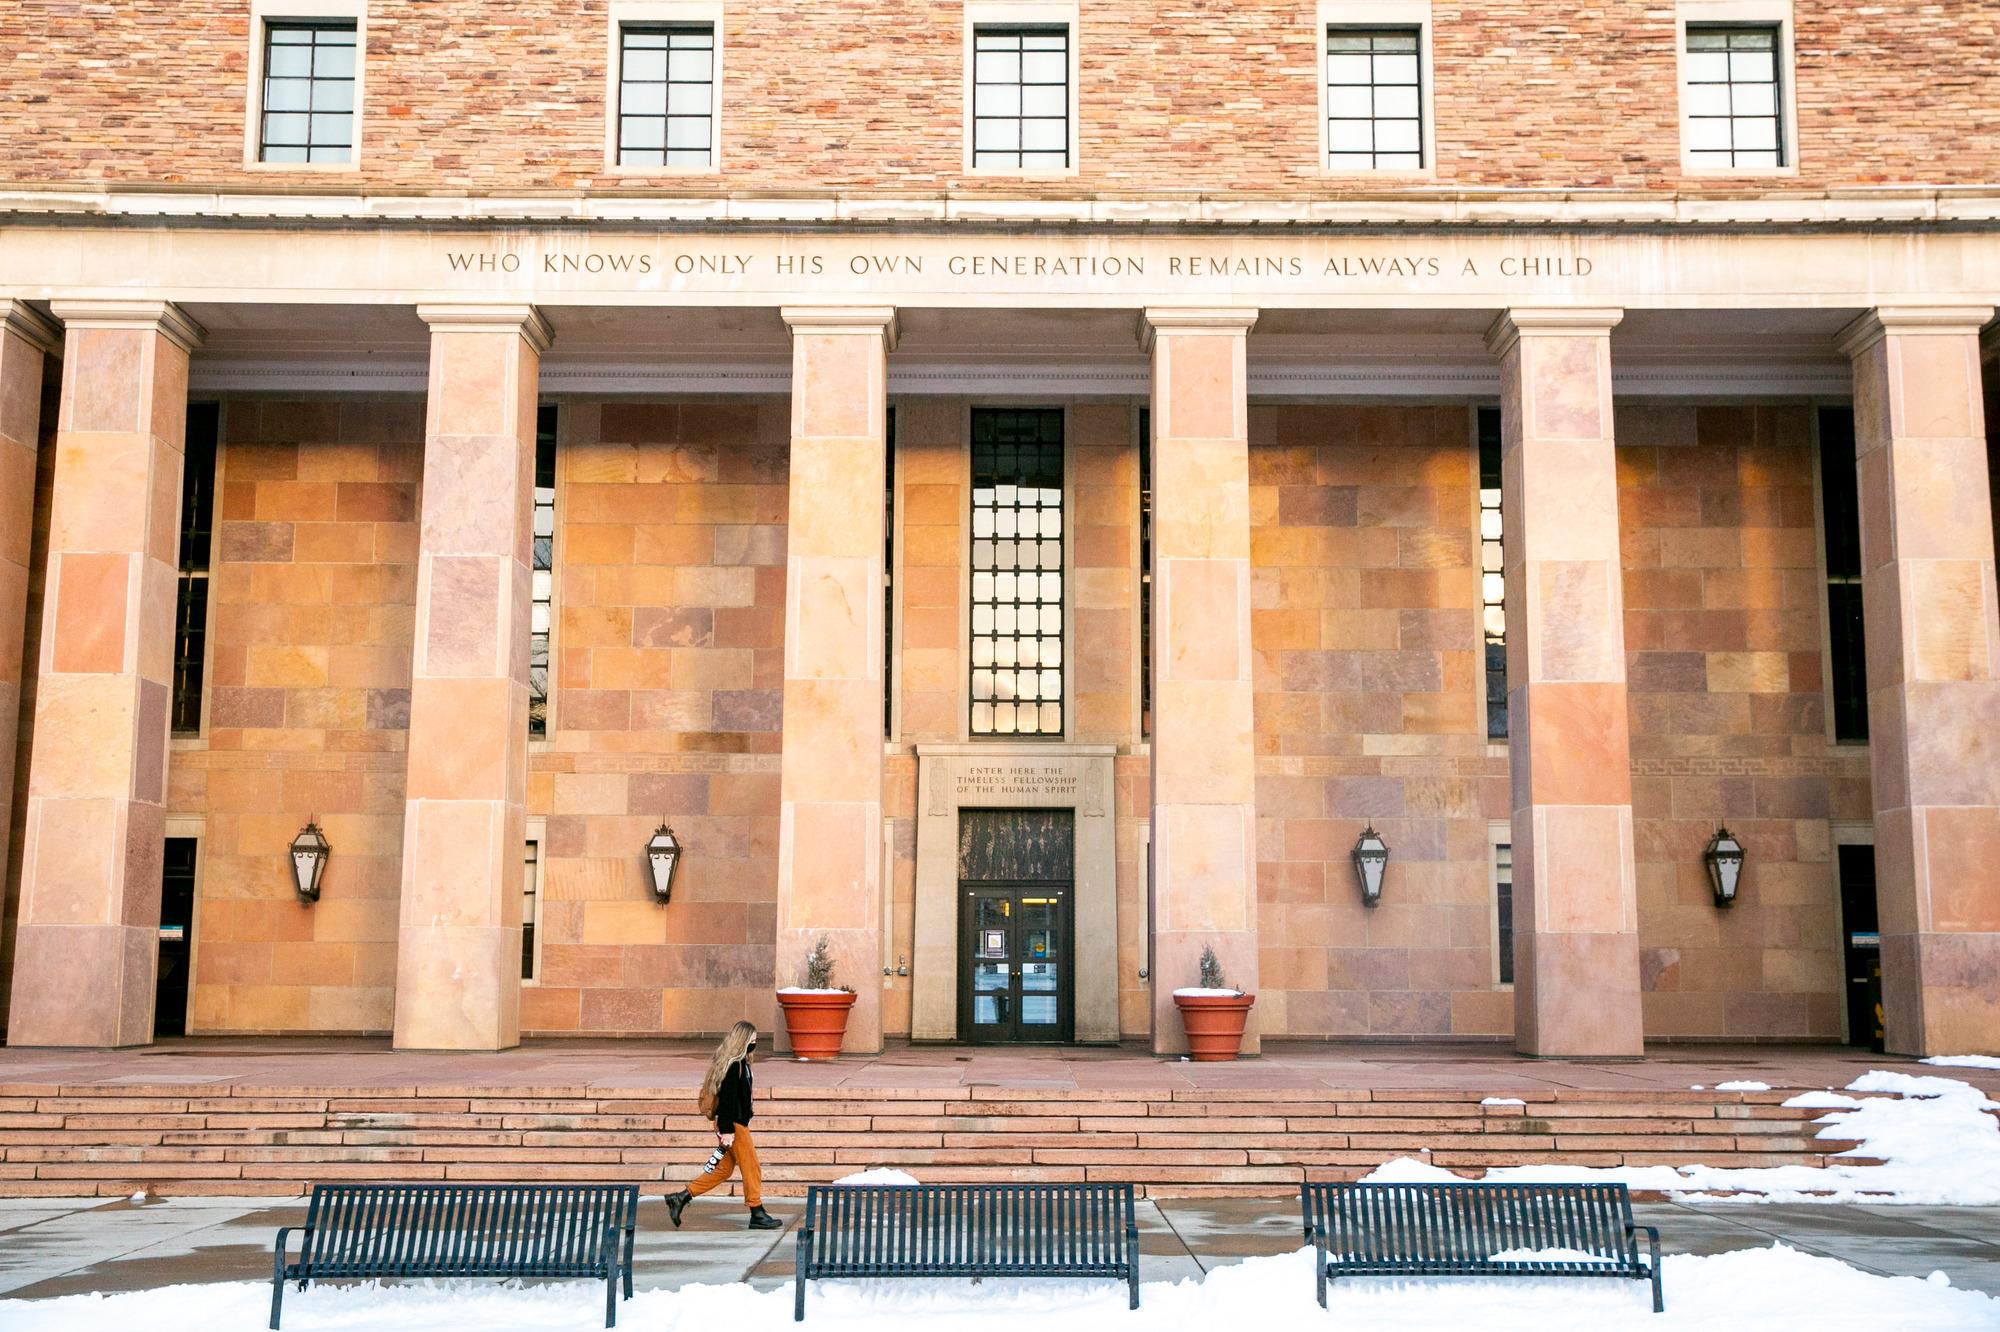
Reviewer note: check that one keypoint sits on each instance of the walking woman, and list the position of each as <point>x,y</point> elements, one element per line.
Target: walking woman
<point>725,1098</point>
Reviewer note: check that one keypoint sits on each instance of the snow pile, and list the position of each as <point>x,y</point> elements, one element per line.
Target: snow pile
<point>1773,1288</point>
<point>1503,1100</point>
<point>1938,1144</point>
<point>877,1176</point>
<point>1743,1086</point>
<point>1964,1061</point>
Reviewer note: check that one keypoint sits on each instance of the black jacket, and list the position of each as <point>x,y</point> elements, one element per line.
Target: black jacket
<point>732,1098</point>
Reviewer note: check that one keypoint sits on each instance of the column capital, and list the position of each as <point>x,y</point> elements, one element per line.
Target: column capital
<point>162,317</point>
<point>497,317</point>
<point>30,325</point>
<point>1549,321</point>
<point>879,320</point>
<point>1155,319</point>
<point>1880,322</point>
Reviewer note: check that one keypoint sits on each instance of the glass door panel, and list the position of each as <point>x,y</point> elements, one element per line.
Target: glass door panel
<point>1042,965</point>
<point>994,969</point>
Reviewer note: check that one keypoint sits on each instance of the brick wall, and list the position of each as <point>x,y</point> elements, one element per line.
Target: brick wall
<point>668,683</point>
<point>1368,692</point>
<point>1724,644</point>
<point>867,94</point>
<point>313,584</point>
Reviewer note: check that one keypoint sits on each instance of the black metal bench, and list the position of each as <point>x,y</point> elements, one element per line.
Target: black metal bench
<point>1457,1229</point>
<point>373,1231</point>
<point>967,1230</point>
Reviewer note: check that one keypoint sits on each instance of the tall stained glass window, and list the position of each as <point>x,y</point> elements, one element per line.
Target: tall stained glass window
<point>541,606</point>
<point>1017,571</point>
<point>1492,579</point>
<point>197,531</point>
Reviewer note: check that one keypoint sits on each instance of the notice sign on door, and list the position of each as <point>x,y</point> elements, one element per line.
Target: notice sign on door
<point>993,943</point>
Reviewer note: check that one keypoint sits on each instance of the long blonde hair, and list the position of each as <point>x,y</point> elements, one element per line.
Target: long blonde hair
<point>732,1048</point>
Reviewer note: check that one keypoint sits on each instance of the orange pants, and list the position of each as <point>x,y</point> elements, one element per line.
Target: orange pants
<point>741,1156</point>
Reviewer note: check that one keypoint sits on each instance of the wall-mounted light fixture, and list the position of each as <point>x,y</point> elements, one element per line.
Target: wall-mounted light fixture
<point>1724,858</point>
<point>1371,859</point>
<point>309,852</point>
<point>663,855</point>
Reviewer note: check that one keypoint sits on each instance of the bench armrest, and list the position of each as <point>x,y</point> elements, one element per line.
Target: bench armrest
<point>278,1246</point>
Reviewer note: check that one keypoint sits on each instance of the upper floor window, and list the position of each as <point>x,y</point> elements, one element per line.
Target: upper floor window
<point>1017,571</point>
<point>666,94</point>
<point>306,108</point>
<point>1020,97</point>
<point>1374,99</point>
<point>1732,100</point>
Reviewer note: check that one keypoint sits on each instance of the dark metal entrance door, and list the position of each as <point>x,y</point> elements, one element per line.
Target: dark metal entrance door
<point>1863,951</point>
<point>1016,871</point>
<point>170,986</point>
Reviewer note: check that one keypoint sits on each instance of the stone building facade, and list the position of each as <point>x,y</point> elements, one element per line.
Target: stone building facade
<point>444,472</point>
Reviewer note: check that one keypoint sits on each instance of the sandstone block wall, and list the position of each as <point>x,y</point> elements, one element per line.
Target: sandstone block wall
<point>868,95</point>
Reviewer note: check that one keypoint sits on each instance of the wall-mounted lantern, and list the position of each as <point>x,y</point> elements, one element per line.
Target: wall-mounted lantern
<point>663,855</point>
<point>1725,866</point>
<point>309,853</point>
<point>1371,858</point>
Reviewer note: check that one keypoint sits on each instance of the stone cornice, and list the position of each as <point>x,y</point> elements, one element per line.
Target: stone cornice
<point>1549,321</point>
<point>27,323</point>
<point>1876,324</point>
<point>1916,205</point>
<point>499,317</point>
<point>162,317</point>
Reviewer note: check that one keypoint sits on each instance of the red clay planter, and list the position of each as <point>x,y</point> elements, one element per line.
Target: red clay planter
<point>1214,1024</point>
<point>816,1020</point>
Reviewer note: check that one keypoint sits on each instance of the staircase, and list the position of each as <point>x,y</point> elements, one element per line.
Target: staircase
<point>239,1139</point>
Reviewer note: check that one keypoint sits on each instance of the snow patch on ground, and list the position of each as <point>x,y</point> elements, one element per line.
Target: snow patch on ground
<point>1503,1100</point>
<point>1822,1100</point>
<point>1939,1144</point>
<point>1743,1086</point>
<point>1776,1287</point>
<point>1964,1061</point>
<point>877,1176</point>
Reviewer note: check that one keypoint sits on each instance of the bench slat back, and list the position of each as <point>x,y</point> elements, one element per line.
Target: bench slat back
<point>445,1230</point>
<point>1464,1225</point>
<point>970,1229</point>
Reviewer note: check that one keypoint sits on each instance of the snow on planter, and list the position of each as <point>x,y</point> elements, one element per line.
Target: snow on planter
<point>1936,1140</point>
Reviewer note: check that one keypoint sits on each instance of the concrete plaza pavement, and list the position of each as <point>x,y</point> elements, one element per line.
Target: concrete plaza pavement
<point>56,1246</point>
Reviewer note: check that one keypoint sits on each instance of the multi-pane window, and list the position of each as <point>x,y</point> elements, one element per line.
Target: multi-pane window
<point>889,577</point>
<point>530,883</point>
<point>666,95</point>
<point>1017,571</point>
<point>1145,571</point>
<point>1374,99</point>
<point>1492,579</point>
<point>1020,97</point>
<point>197,525</point>
<point>308,95</point>
<point>1503,911</point>
<point>541,604</point>
<point>1733,117</point>
<point>1847,651</point>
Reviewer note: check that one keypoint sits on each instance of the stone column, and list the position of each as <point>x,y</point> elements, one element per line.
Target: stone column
<point>830,816</point>
<point>1204,817</point>
<point>458,964</point>
<point>1933,674</point>
<point>88,943</point>
<point>26,339</point>
<point>1576,919</point>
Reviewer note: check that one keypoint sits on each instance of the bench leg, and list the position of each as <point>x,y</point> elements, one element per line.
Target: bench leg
<point>1133,1282</point>
<point>629,1231</point>
<point>611,1297</point>
<point>799,1300</point>
<point>277,1300</point>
